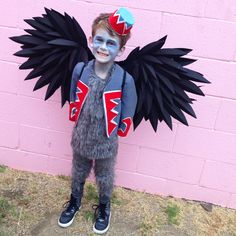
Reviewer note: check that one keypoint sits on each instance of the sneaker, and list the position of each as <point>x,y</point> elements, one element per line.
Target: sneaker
<point>68,215</point>
<point>102,217</point>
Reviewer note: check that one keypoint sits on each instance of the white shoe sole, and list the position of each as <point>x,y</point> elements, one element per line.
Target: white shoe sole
<point>69,223</point>
<point>102,231</point>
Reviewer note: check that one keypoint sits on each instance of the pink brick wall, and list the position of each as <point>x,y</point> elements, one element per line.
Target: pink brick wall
<point>196,162</point>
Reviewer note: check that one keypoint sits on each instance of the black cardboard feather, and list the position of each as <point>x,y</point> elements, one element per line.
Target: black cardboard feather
<point>53,47</point>
<point>37,25</point>
<point>164,70</point>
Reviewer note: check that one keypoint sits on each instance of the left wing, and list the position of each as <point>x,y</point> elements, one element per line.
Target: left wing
<point>162,82</point>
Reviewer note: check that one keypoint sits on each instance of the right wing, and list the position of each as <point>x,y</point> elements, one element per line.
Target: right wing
<point>53,48</point>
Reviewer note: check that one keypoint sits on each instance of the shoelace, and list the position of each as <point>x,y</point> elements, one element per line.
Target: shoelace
<point>66,204</point>
<point>99,211</point>
<point>69,204</point>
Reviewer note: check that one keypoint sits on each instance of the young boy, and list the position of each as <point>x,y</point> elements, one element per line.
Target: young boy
<point>103,101</point>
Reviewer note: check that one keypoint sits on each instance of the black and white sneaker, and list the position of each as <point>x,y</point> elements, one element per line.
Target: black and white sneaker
<point>68,215</point>
<point>102,217</point>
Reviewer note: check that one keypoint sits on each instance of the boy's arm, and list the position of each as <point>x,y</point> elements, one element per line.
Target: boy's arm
<point>128,106</point>
<point>75,77</point>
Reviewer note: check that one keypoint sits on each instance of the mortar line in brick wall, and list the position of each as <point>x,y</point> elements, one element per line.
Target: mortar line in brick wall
<point>161,23</point>
<point>138,154</point>
<point>44,129</point>
<point>210,129</point>
<point>175,135</point>
<point>22,151</point>
<point>7,93</point>
<point>167,13</point>
<point>9,62</point>
<point>223,98</point>
<point>9,122</point>
<point>216,161</point>
<point>28,96</point>
<point>223,162</point>
<point>140,174</point>
<point>204,9</point>
<point>157,178</point>
<point>202,158</point>
<point>60,158</point>
<point>231,133</point>
<point>213,161</point>
<point>189,155</point>
<point>178,153</point>
<point>10,27</point>
<point>37,98</point>
<point>199,17</point>
<point>177,181</point>
<point>168,179</point>
<point>6,147</point>
<point>217,115</point>
<point>212,59</point>
<point>165,151</point>
<point>129,144</point>
<point>151,10</point>
<point>222,20</point>
<point>49,156</point>
<point>137,159</point>
<point>202,170</point>
<point>118,5</point>
<point>215,189</point>
<point>219,98</point>
<point>151,148</point>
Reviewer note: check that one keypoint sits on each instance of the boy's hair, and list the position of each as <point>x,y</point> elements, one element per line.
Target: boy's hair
<point>102,22</point>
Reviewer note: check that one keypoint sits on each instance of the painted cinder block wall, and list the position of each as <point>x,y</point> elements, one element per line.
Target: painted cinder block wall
<point>196,162</point>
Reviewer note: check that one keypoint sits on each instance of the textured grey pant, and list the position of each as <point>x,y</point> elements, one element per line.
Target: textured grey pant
<point>104,173</point>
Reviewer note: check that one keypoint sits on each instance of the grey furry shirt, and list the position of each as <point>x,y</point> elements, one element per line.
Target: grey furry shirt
<point>89,134</point>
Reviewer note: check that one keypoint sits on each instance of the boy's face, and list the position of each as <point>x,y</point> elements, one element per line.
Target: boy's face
<point>105,47</point>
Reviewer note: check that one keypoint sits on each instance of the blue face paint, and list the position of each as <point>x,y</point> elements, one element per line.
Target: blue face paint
<point>105,47</point>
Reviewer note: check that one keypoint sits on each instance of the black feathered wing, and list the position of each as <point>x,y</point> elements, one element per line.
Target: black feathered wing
<point>53,48</point>
<point>162,82</point>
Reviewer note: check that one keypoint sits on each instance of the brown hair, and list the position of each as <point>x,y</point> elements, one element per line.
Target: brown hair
<point>102,22</point>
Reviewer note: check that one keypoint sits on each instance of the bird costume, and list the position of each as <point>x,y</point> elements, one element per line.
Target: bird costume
<point>151,83</point>
<point>57,43</point>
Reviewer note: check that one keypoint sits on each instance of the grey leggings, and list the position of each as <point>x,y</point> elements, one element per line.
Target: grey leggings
<point>104,173</point>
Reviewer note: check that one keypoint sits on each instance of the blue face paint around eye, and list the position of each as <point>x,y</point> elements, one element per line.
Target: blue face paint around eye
<point>105,47</point>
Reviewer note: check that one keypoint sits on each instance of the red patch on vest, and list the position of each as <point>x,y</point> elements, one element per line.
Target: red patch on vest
<point>127,121</point>
<point>111,113</point>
